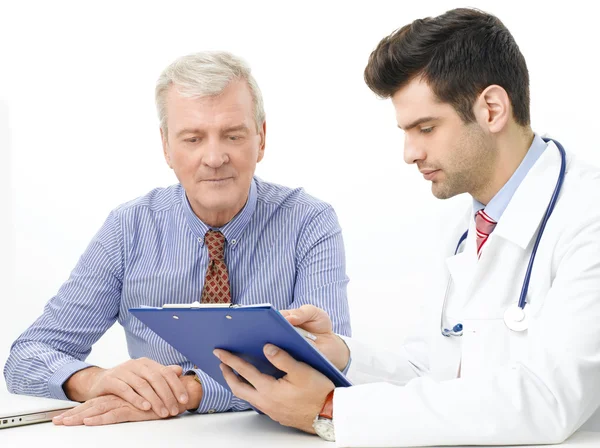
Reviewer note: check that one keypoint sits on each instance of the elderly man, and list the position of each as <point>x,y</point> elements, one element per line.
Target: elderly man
<point>219,235</point>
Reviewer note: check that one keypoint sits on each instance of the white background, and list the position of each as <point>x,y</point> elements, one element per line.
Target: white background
<point>79,133</point>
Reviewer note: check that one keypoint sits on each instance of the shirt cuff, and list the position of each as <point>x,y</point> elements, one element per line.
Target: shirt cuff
<point>60,376</point>
<point>215,398</point>
<point>345,369</point>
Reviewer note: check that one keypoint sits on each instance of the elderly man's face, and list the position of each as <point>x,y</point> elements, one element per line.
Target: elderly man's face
<point>213,146</point>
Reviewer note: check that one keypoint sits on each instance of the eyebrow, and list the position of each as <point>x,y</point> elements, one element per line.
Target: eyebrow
<point>187,131</point>
<point>240,127</point>
<point>418,122</point>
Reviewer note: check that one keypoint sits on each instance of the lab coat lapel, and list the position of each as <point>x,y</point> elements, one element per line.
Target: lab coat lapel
<point>518,224</point>
<point>462,266</point>
<point>522,218</point>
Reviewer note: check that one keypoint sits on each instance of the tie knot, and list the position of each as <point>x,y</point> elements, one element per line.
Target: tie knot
<point>215,242</point>
<point>484,224</point>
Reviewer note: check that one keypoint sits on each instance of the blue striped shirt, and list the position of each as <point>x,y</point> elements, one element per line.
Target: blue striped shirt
<point>284,247</point>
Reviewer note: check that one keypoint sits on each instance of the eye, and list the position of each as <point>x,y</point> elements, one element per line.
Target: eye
<point>427,130</point>
<point>235,138</point>
<point>192,140</point>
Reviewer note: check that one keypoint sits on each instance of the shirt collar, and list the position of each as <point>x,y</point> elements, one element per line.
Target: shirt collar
<point>233,230</point>
<point>495,208</point>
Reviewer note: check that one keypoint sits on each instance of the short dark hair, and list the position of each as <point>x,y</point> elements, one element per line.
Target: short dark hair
<point>459,54</point>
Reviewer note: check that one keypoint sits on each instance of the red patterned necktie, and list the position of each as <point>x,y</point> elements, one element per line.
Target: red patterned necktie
<point>216,284</point>
<point>484,226</point>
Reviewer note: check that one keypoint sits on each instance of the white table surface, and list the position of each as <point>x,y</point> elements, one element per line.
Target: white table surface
<point>241,429</point>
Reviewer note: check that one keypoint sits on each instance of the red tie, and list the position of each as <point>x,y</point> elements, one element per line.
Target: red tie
<point>216,284</point>
<point>484,226</point>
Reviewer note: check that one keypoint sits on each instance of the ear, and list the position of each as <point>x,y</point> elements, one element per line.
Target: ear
<point>263,136</point>
<point>493,109</point>
<point>165,145</point>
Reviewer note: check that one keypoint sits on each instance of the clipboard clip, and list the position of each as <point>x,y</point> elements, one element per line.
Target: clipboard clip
<point>198,305</point>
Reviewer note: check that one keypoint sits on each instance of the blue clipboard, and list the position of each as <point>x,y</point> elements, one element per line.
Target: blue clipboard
<point>195,330</point>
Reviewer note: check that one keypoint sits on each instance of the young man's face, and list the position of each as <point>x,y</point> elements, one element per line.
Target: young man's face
<point>455,156</point>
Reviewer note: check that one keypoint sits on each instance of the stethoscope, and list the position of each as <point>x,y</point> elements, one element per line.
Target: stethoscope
<point>515,317</point>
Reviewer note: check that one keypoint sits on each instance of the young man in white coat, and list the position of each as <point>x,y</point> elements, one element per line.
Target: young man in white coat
<point>492,365</point>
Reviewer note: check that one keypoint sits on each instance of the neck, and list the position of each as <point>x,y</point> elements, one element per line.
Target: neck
<point>510,148</point>
<point>217,218</point>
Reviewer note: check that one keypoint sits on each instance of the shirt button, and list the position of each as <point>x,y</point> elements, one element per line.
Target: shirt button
<point>211,411</point>
<point>199,239</point>
<point>233,241</point>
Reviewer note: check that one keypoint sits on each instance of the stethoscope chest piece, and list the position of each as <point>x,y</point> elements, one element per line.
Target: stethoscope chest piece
<point>516,318</point>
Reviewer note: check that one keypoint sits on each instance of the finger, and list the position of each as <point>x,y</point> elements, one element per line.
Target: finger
<point>282,360</point>
<point>239,388</point>
<point>292,319</point>
<point>99,408</point>
<point>143,388</point>
<point>123,387</point>
<point>310,313</point>
<point>120,415</point>
<point>58,420</point>
<point>296,316</point>
<point>111,417</point>
<point>154,374</point>
<point>245,369</point>
<point>306,315</point>
<point>177,369</point>
<point>171,375</point>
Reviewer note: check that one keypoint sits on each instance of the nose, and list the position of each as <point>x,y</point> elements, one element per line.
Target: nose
<point>215,155</point>
<point>413,151</point>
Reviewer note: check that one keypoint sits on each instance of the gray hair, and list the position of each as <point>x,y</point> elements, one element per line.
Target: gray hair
<point>206,74</point>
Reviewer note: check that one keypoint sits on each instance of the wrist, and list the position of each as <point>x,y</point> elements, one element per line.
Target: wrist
<point>327,408</point>
<point>193,388</point>
<point>323,422</point>
<point>78,386</point>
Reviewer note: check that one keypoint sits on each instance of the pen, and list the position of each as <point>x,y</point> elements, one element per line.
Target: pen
<point>306,334</point>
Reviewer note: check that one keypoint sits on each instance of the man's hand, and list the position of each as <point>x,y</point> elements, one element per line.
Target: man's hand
<point>294,400</point>
<point>142,382</point>
<point>317,321</point>
<point>110,409</point>
<point>105,410</point>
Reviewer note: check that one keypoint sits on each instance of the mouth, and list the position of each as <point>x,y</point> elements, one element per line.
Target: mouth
<point>216,181</point>
<point>429,174</point>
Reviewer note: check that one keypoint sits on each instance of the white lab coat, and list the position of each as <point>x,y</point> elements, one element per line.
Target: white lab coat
<point>531,387</point>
